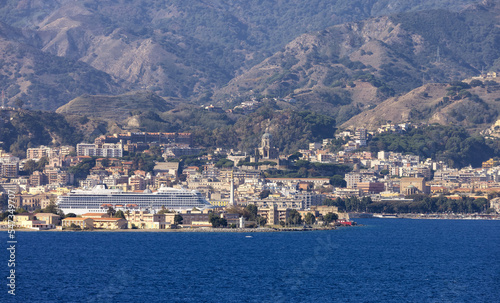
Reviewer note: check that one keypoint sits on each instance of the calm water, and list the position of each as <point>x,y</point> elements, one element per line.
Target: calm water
<point>387,260</point>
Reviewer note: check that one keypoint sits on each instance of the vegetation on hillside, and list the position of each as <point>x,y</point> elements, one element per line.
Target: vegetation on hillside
<point>469,37</point>
<point>306,169</point>
<point>450,144</point>
<point>23,129</point>
<point>420,204</point>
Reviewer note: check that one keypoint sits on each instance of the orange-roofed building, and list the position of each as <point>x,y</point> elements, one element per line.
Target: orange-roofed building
<point>78,221</point>
<point>110,223</point>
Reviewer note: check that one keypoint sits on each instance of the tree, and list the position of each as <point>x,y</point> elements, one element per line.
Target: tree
<point>51,208</point>
<point>224,163</point>
<point>310,219</point>
<point>19,103</point>
<point>295,156</point>
<point>111,212</point>
<point>475,83</point>
<point>261,221</point>
<point>164,210</point>
<point>213,219</point>
<point>21,210</point>
<point>177,219</point>
<point>29,167</point>
<point>71,215</point>
<point>74,226</point>
<point>384,172</point>
<point>252,212</point>
<point>223,222</point>
<point>294,218</point>
<point>155,151</point>
<point>61,214</point>
<point>329,218</point>
<point>338,181</point>
<point>264,194</point>
<point>105,162</point>
<point>216,220</point>
<point>119,214</point>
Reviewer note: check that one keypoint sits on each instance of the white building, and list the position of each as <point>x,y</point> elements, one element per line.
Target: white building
<point>100,150</point>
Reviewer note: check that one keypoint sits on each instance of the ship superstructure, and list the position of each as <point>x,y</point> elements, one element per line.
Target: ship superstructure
<point>100,199</point>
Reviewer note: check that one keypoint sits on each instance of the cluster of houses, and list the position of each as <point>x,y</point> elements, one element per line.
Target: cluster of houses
<point>385,175</point>
<point>144,219</point>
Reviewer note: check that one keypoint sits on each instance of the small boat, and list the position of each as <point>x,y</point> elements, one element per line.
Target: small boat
<point>248,236</point>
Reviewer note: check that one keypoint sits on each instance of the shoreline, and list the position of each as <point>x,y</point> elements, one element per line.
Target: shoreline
<point>188,230</point>
<point>425,216</point>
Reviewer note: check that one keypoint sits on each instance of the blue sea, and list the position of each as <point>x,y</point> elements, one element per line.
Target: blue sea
<point>384,260</point>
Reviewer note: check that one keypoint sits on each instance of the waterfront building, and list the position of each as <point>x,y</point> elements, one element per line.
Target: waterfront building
<point>78,221</point>
<point>274,214</point>
<point>324,209</point>
<point>110,223</point>
<point>189,217</point>
<point>49,218</point>
<point>495,204</point>
<point>23,217</point>
<point>145,220</point>
<point>36,224</point>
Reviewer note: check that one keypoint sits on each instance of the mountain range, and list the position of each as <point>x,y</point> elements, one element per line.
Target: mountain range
<point>347,60</point>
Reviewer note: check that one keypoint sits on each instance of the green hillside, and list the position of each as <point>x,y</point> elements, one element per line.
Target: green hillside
<point>21,129</point>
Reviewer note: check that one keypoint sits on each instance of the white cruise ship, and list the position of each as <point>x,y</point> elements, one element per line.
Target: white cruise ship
<point>100,199</point>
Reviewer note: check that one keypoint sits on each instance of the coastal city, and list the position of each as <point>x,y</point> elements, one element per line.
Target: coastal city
<point>250,151</point>
<point>171,184</point>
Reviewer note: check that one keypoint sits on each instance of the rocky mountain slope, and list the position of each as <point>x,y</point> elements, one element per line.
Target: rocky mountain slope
<point>473,103</point>
<point>352,67</point>
<point>187,49</point>
<point>43,80</point>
